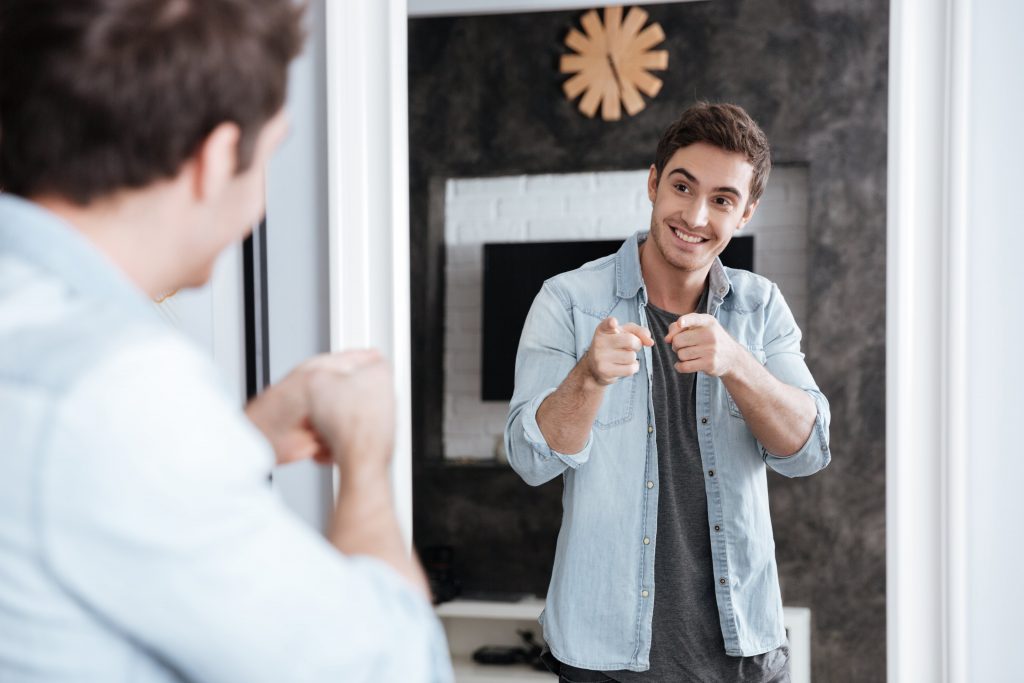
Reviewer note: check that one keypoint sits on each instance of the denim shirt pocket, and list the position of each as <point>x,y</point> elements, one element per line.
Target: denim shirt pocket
<point>762,358</point>
<point>617,405</point>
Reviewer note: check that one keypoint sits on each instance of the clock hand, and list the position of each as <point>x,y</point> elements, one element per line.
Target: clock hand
<point>615,72</point>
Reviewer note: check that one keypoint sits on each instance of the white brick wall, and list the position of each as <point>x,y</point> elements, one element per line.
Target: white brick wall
<point>576,206</point>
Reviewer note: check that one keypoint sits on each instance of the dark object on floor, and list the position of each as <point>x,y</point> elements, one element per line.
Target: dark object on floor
<point>507,654</point>
<point>499,654</point>
<point>534,650</point>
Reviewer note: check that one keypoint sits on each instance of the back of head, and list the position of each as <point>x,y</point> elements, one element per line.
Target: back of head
<point>726,126</point>
<point>103,95</point>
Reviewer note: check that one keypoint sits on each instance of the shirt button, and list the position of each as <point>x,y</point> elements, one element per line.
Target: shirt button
<point>647,541</point>
<point>721,581</point>
<point>718,528</point>
<point>703,420</point>
<point>650,484</point>
<point>711,473</point>
<point>644,594</point>
<point>650,429</point>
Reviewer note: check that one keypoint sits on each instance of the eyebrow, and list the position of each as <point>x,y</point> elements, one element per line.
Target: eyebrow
<point>693,179</point>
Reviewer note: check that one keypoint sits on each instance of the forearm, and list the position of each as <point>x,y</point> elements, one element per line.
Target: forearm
<point>365,524</point>
<point>567,415</point>
<point>779,415</point>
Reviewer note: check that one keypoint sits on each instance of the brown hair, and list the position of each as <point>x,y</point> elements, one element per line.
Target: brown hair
<point>100,95</point>
<point>725,126</point>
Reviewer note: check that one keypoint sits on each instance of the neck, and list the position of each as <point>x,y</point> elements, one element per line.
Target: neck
<point>131,230</point>
<point>670,288</point>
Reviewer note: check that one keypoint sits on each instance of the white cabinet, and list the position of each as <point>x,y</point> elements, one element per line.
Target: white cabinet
<point>470,624</point>
<point>473,623</point>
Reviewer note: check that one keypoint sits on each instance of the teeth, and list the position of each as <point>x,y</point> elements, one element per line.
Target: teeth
<point>687,238</point>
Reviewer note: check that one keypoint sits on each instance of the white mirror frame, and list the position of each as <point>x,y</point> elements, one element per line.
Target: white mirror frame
<point>926,313</point>
<point>368,200</point>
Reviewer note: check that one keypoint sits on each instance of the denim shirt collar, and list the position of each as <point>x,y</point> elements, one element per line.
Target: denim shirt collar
<point>629,277</point>
<point>42,238</point>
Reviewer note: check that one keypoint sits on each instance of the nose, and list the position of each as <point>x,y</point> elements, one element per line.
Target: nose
<point>696,214</point>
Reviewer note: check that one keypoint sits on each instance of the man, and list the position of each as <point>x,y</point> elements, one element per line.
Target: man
<point>138,539</point>
<point>660,384</point>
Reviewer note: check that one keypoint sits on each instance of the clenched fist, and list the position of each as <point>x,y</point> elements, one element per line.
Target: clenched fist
<point>352,408</point>
<point>613,351</point>
<point>702,345</point>
<point>337,406</point>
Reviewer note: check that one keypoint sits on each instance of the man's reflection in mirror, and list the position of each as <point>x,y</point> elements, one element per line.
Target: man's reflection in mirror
<point>661,385</point>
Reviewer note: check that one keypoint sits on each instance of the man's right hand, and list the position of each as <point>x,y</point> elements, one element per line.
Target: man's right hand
<point>352,410</point>
<point>613,351</point>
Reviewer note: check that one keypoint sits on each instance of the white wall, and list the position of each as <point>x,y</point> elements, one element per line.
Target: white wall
<point>297,279</point>
<point>995,339</point>
<point>609,205</point>
<point>954,322</point>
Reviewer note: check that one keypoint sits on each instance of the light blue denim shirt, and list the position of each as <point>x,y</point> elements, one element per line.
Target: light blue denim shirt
<point>601,596</point>
<point>139,540</point>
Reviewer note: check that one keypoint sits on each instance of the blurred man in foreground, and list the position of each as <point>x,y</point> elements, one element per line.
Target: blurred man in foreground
<point>138,538</point>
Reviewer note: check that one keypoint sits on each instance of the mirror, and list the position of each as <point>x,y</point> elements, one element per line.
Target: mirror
<point>504,158</point>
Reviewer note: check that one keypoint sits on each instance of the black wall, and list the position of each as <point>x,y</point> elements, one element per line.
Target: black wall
<point>485,99</point>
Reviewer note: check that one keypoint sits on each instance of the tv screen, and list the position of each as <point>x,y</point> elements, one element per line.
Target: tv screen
<point>513,274</point>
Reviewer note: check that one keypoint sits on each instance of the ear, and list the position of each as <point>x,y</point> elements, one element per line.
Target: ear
<point>652,183</point>
<point>216,160</point>
<point>748,213</point>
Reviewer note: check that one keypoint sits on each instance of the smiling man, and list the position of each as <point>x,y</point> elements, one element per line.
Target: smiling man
<point>661,385</point>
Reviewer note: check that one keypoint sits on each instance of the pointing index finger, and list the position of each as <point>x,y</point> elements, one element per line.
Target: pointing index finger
<point>609,325</point>
<point>641,333</point>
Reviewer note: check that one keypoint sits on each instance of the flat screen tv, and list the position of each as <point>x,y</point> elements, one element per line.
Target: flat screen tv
<point>513,274</point>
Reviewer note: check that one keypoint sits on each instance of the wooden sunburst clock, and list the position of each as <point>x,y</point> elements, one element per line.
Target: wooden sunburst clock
<point>613,62</point>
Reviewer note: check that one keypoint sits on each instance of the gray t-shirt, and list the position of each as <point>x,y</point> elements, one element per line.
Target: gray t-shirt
<point>687,642</point>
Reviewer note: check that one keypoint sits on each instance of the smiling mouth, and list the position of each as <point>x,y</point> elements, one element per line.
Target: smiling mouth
<point>689,239</point>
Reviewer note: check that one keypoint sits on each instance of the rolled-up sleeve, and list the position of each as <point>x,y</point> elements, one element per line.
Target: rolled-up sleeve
<point>786,362</point>
<point>546,355</point>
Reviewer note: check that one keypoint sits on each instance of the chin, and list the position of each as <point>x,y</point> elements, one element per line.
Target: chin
<point>199,276</point>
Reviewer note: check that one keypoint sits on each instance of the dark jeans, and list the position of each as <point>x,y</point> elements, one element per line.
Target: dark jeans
<point>570,674</point>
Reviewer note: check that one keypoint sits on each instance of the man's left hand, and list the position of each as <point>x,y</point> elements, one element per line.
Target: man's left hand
<point>702,345</point>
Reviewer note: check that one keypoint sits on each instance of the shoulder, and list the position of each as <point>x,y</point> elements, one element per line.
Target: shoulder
<point>52,336</point>
<point>135,399</point>
<point>750,292</point>
<point>147,424</point>
<point>152,380</point>
<point>592,285</point>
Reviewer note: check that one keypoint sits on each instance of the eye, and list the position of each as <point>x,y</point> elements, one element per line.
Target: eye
<point>681,187</point>
<point>723,201</point>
